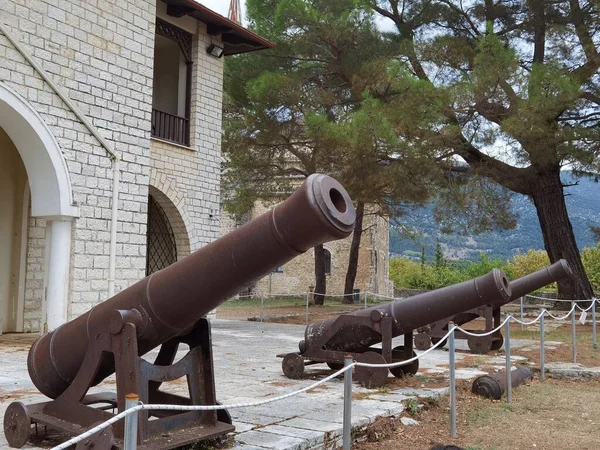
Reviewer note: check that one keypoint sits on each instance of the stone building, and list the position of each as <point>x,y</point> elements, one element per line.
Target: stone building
<point>110,134</point>
<point>298,275</point>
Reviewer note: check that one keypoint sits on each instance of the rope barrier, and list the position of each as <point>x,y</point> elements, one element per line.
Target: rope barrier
<point>530,322</point>
<point>141,407</point>
<point>469,333</point>
<point>561,299</point>
<point>563,317</point>
<point>406,361</point>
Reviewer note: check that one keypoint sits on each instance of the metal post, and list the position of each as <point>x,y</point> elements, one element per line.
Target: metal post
<point>452,382</point>
<point>521,300</point>
<point>508,364</point>
<point>574,334</point>
<point>542,347</point>
<point>347,435</point>
<point>307,300</point>
<point>131,423</point>
<point>594,337</point>
<point>262,305</point>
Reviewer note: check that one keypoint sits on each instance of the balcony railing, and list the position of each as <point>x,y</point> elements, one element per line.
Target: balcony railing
<point>170,127</point>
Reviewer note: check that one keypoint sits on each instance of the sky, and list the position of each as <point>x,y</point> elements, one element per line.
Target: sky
<point>222,7</point>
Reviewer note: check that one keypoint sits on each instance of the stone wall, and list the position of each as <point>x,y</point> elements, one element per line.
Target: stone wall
<point>100,53</point>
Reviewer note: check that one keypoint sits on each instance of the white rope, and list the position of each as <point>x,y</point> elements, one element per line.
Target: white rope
<point>140,407</point>
<point>587,309</point>
<point>468,333</point>
<point>531,322</point>
<point>561,299</point>
<point>563,317</point>
<point>407,361</point>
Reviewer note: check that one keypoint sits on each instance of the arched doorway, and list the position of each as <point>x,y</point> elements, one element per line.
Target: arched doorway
<point>14,212</point>
<point>29,154</point>
<point>161,249</point>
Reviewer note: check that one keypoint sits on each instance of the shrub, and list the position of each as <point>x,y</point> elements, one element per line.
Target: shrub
<point>591,262</point>
<point>524,264</point>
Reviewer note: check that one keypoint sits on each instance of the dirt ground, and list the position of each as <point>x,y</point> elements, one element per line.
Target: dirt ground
<point>546,416</point>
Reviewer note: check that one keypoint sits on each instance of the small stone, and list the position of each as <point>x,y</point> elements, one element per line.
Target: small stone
<point>408,422</point>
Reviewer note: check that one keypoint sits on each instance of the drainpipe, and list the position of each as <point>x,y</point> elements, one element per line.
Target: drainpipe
<point>113,227</point>
<point>96,133</point>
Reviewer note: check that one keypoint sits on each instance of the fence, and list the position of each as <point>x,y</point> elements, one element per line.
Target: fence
<point>133,406</point>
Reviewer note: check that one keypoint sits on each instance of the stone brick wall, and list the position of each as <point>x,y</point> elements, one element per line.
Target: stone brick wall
<point>190,177</point>
<point>101,54</point>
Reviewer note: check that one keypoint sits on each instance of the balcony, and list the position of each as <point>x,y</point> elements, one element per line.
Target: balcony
<point>169,127</point>
<point>171,84</point>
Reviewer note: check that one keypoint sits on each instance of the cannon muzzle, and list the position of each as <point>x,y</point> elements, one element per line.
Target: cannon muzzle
<point>412,313</point>
<point>169,302</point>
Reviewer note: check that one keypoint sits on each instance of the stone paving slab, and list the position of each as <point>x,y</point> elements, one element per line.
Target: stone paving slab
<point>247,370</point>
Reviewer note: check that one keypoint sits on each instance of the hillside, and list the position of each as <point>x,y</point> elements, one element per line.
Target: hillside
<point>583,203</point>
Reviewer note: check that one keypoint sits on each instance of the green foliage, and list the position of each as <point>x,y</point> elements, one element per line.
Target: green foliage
<point>406,273</point>
<point>412,406</point>
<point>524,263</point>
<point>591,262</point>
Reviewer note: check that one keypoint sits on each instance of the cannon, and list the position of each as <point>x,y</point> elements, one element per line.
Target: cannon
<point>355,333</point>
<point>167,309</point>
<point>435,331</point>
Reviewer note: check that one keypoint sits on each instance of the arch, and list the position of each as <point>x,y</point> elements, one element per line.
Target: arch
<point>51,194</point>
<point>177,220</point>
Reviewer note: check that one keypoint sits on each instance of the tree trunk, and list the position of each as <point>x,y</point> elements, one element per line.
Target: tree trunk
<point>320,280</point>
<point>354,250</point>
<point>559,239</point>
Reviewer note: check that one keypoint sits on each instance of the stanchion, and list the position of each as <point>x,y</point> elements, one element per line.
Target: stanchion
<point>542,347</point>
<point>574,333</point>
<point>508,364</point>
<point>521,301</point>
<point>131,423</point>
<point>307,301</point>
<point>262,305</point>
<point>594,337</point>
<point>452,381</point>
<point>347,430</point>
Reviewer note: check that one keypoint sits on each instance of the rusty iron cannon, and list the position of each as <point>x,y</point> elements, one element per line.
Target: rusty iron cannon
<point>167,309</point>
<point>355,333</point>
<point>493,386</point>
<point>435,331</point>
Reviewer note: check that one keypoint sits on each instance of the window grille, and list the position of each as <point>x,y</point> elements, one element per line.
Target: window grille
<point>161,250</point>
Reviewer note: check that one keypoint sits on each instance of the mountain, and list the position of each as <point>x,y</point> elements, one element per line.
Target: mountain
<point>583,203</point>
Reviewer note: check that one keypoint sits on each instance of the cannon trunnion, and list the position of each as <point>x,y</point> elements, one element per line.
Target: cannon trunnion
<point>433,332</point>
<point>166,310</point>
<point>356,333</point>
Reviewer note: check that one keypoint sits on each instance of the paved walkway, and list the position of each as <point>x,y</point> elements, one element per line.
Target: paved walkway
<point>246,370</point>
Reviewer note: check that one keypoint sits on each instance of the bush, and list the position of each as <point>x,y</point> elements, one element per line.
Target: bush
<point>524,264</point>
<point>591,262</point>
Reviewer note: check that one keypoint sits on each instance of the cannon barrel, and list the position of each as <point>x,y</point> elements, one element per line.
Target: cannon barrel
<point>413,312</point>
<point>525,285</point>
<point>169,302</point>
<point>538,279</point>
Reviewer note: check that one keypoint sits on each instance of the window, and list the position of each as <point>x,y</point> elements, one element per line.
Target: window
<point>172,83</point>
<point>327,261</point>
<point>278,270</point>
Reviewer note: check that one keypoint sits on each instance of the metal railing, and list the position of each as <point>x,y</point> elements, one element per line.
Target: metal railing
<point>170,127</point>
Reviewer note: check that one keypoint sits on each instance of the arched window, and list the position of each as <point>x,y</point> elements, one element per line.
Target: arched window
<point>327,261</point>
